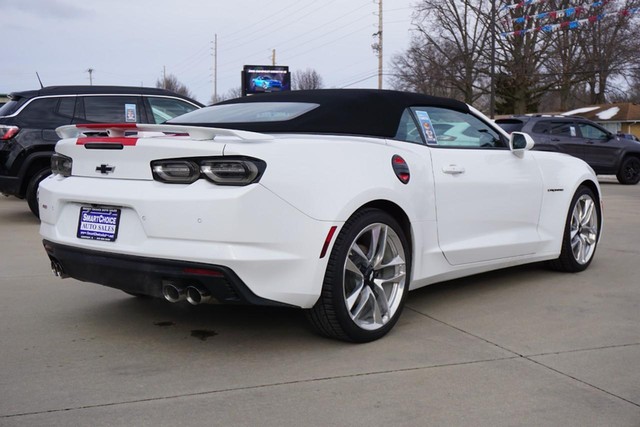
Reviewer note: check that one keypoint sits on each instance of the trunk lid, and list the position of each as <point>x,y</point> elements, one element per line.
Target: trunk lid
<point>125,151</point>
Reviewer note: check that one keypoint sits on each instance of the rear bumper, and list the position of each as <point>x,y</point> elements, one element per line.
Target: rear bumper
<point>272,248</point>
<point>147,276</point>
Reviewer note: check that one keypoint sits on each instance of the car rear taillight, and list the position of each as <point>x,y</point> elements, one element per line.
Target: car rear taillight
<point>8,132</point>
<point>175,171</point>
<point>230,172</point>
<point>219,170</point>
<point>61,165</point>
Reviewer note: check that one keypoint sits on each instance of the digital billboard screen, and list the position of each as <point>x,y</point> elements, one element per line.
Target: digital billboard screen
<point>265,78</point>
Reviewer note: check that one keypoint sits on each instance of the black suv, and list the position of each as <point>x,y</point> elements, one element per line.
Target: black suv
<point>603,151</point>
<point>28,122</point>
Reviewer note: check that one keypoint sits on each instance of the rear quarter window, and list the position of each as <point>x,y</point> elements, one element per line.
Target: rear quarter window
<point>111,109</point>
<point>42,113</point>
<point>10,107</point>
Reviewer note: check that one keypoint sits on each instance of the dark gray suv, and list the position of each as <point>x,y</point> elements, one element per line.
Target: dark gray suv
<point>28,122</point>
<point>605,152</point>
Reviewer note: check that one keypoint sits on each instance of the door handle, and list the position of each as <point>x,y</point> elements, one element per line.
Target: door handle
<point>453,169</point>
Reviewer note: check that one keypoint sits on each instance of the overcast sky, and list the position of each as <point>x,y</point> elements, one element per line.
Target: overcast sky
<point>128,42</point>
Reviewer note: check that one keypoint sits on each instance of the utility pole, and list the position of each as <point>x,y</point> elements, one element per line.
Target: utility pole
<point>215,68</point>
<point>377,46</point>
<point>90,71</point>
<point>273,57</point>
<point>164,77</point>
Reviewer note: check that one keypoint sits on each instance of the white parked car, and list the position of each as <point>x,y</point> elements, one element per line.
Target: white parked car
<point>334,201</point>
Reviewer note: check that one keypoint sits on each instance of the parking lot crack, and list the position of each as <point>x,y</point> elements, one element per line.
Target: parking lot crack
<point>595,387</point>
<point>254,387</point>
<point>530,357</point>
<point>465,332</point>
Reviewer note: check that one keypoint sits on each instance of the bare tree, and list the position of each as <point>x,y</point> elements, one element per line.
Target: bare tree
<point>307,79</point>
<point>562,69</point>
<point>456,32</point>
<point>608,47</point>
<point>544,58</point>
<point>521,57</point>
<point>232,93</point>
<point>421,69</point>
<point>170,82</point>
<point>633,94</point>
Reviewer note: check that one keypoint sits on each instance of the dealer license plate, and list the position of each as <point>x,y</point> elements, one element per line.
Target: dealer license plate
<point>98,223</point>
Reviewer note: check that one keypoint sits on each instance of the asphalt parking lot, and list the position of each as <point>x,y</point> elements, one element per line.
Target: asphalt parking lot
<point>519,347</point>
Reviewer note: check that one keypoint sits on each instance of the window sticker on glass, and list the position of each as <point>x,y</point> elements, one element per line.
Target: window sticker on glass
<point>572,129</point>
<point>130,113</point>
<point>427,127</point>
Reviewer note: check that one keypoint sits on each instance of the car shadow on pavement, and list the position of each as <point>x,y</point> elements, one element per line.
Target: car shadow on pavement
<point>171,323</point>
<point>207,322</point>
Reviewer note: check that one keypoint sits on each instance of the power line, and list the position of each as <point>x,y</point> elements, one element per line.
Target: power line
<point>288,16</point>
<point>280,46</point>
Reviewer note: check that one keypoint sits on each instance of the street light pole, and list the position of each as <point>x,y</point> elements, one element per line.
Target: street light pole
<point>215,68</point>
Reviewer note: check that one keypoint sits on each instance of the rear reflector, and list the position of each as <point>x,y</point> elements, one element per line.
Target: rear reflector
<point>327,241</point>
<point>203,272</point>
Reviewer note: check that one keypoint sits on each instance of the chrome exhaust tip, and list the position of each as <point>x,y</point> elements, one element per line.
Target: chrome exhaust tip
<point>196,295</point>
<point>57,270</point>
<point>173,293</point>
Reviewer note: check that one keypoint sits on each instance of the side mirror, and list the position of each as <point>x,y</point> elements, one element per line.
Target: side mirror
<point>520,142</point>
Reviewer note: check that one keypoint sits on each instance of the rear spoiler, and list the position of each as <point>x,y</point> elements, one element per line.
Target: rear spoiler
<point>121,129</point>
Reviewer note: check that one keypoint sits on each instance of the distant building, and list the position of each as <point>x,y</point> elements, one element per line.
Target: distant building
<point>621,117</point>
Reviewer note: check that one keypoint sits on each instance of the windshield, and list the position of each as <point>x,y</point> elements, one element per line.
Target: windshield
<point>250,112</point>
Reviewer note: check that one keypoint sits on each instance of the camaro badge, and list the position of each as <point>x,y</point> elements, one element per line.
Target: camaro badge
<point>105,169</point>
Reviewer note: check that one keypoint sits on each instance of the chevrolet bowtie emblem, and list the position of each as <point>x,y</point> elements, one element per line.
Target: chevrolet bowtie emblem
<point>105,169</point>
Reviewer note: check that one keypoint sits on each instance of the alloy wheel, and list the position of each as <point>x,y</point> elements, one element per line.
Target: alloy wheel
<point>584,229</point>
<point>374,276</point>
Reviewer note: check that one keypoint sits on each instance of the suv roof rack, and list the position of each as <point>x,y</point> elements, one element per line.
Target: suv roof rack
<point>89,90</point>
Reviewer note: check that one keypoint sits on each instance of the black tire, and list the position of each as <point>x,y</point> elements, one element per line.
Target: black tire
<point>581,232</point>
<point>373,282</point>
<point>32,190</point>
<point>629,173</point>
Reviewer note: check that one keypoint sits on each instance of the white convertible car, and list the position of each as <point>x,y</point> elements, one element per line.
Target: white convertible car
<point>334,201</point>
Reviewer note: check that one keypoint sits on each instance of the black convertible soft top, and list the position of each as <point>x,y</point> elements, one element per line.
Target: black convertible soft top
<point>341,111</point>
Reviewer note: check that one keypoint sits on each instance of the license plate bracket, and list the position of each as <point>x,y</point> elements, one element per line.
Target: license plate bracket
<point>98,223</point>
